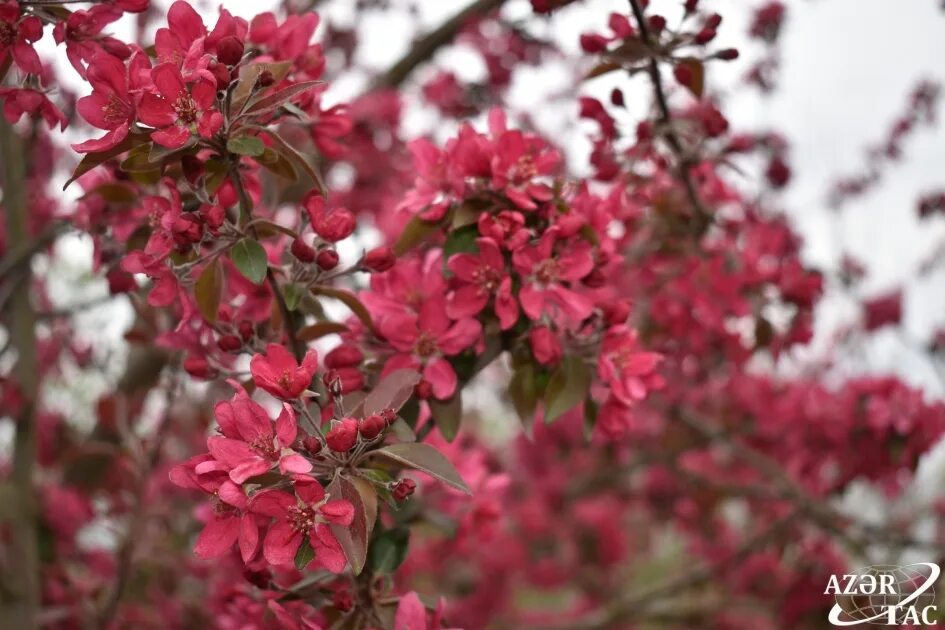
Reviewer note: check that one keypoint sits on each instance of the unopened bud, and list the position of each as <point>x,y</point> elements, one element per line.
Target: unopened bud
<point>302,251</point>
<point>379,259</point>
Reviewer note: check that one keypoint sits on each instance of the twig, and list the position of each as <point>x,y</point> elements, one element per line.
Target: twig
<point>684,161</point>
<point>634,604</point>
<point>125,555</point>
<point>424,48</point>
<point>298,348</point>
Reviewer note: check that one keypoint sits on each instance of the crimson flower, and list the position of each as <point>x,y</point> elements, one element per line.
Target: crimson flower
<point>17,102</point>
<point>307,514</point>
<point>544,272</point>
<point>176,112</point>
<point>229,524</point>
<point>280,374</point>
<point>628,371</point>
<point>251,444</point>
<point>482,275</point>
<point>109,106</point>
<point>82,33</point>
<point>17,35</point>
<point>423,340</point>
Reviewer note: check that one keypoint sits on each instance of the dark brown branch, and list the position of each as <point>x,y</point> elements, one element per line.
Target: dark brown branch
<point>684,161</point>
<point>424,48</point>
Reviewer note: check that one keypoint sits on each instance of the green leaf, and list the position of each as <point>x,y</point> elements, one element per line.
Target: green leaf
<point>354,538</point>
<point>415,232</point>
<point>91,160</point>
<point>250,260</point>
<point>272,101</point>
<point>246,145</point>
<point>248,77</point>
<point>389,549</point>
<point>569,385</point>
<point>424,458</point>
<point>293,293</point>
<point>349,299</point>
<point>277,162</point>
<point>304,555</point>
<point>297,158</point>
<point>448,415</point>
<point>392,392</point>
<point>208,290</point>
<point>523,390</point>
<point>459,241</point>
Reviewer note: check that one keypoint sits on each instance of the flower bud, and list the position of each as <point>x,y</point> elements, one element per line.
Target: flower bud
<point>423,389</point>
<point>691,6</point>
<point>327,259</point>
<point>186,230</point>
<point>344,356</point>
<point>545,345</point>
<point>705,36</point>
<point>198,367</point>
<point>389,415</point>
<point>230,50</point>
<point>616,312</point>
<point>302,251</point>
<point>593,43</point>
<point>246,329</point>
<point>713,21</point>
<point>729,54</point>
<point>343,600</point>
<point>657,23</point>
<point>221,73</point>
<point>229,343</point>
<point>343,436</point>
<point>683,74</point>
<point>332,224</point>
<point>312,444</point>
<point>120,281</point>
<point>371,426</point>
<point>379,259</point>
<point>343,380</point>
<point>616,97</point>
<point>403,489</point>
<point>266,79</point>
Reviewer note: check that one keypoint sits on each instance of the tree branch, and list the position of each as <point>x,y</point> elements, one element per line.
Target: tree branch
<point>424,48</point>
<point>22,580</point>
<point>684,161</point>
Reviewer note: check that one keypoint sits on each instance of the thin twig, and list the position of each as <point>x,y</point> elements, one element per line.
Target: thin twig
<point>298,347</point>
<point>684,160</point>
<point>635,604</point>
<point>125,555</point>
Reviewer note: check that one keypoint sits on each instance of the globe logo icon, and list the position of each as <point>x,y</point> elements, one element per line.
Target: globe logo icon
<point>885,594</point>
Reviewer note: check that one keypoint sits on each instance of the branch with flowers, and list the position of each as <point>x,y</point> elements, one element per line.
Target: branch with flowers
<point>258,460</point>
